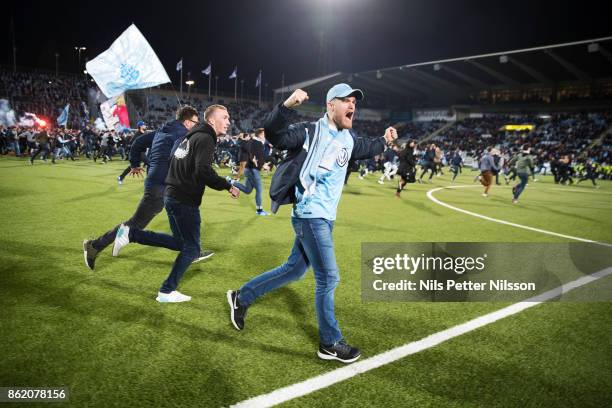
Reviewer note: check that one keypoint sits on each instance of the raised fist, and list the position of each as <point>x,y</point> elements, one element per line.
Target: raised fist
<point>390,134</point>
<point>297,98</point>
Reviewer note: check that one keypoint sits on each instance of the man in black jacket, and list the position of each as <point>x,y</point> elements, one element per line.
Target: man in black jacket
<point>190,172</point>
<point>152,202</point>
<point>406,169</point>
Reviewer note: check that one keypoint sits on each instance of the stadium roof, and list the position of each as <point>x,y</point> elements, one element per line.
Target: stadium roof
<point>452,81</point>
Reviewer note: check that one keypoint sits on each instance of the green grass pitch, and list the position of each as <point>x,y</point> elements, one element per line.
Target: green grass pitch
<point>103,335</point>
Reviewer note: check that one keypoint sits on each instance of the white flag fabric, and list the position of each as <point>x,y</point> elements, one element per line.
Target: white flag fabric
<point>179,65</point>
<point>235,73</point>
<point>258,81</point>
<point>208,69</point>
<point>129,63</point>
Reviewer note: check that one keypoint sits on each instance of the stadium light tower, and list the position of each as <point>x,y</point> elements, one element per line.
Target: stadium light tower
<point>79,50</point>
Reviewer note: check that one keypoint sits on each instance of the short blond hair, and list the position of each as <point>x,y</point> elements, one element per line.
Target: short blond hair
<point>209,111</point>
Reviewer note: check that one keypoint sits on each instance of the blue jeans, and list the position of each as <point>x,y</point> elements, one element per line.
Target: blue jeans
<point>253,180</point>
<point>524,177</point>
<point>314,246</point>
<point>185,224</point>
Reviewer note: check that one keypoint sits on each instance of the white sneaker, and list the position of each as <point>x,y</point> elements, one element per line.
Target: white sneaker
<point>485,195</point>
<point>173,297</point>
<point>121,239</point>
<point>119,180</point>
<point>381,182</point>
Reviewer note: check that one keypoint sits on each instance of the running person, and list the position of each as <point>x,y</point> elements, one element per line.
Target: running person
<point>406,169</point>
<point>524,167</point>
<point>317,194</point>
<point>152,202</point>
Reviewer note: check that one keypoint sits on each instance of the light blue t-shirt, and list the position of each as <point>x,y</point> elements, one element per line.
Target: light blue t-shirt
<point>331,172</point>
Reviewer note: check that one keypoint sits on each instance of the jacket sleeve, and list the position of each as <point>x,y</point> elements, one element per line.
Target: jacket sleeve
<point>206,175</point>
<point>279,133</point>
<point>140,145</point>
<point>365,148</point>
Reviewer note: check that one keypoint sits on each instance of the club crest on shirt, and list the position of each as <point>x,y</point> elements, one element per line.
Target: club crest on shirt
<point>343,157</point>
<point>182,150</point>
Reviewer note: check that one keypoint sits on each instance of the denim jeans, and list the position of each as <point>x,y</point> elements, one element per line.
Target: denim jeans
<point>313,246</point>
<point>151,204</point>
<point>253,180</point>
<point>185,224</point>
<point>524,177</point>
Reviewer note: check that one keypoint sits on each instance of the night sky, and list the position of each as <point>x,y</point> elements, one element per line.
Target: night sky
<point>286,36</point>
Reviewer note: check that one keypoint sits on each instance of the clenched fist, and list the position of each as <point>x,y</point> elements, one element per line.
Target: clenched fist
<point>390,134</point>
<point>297,98</point>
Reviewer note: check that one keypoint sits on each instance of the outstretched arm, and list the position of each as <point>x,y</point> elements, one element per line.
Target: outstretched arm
<point>367,148</point>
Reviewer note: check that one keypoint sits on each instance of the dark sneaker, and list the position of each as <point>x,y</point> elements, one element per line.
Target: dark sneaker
<point>339,351</point>
<point>237,311</point>
<point>89,253</point>
<point>204,254</point>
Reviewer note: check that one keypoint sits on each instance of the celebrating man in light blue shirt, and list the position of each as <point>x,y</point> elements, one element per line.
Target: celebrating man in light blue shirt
<point>327,145</point>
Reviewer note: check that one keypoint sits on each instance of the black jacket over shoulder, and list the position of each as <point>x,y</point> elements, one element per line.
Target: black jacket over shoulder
<point>191,167</point>
<point>284,136</point>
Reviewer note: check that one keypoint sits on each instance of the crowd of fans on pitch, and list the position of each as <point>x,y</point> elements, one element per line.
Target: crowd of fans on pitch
<point>567,137</point>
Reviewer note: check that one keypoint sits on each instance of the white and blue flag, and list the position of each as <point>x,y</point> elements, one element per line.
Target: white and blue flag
<point>208,69</point>
<point>235,73</point>
<point>62,119</point>
<point>258,81</point>
<point>179,65</point>
<point>129,63</point>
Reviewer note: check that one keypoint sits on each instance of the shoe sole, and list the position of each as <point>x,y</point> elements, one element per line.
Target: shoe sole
<point>202,258</point>
<point>171,301</point>
<point>329,357</point>
<point>85,255</point>
<point>231,305</point>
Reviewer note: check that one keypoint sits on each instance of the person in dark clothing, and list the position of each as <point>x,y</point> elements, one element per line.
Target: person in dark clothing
<point>42,146</point>
<point>406,169</point>
<point>590,173</point>
<point>190,173</point>
<point>456,163</point>
<point>142,156</point>
<point>565,170</point>
<point>251,161</point>
<point>429,162</point>
<point>152,201</point>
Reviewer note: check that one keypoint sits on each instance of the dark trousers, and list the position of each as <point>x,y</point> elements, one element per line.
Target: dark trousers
<point>185,224</point>
<point>518,189</point>
<point>151,204</point>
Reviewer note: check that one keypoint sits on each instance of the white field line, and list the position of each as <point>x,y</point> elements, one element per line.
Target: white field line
<point>512,224</point>
<point>344,373</point>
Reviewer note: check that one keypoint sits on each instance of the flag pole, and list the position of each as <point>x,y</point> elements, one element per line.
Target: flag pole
<point>209,78</point>
<point>260,81</point>
<point>236,87</point>
<point>181,80</point>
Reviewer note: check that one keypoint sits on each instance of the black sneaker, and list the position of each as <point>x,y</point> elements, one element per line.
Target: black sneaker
<point>204,254</point>
<point>89,253</point>
<point>339,351</point>
<point>237,311</point>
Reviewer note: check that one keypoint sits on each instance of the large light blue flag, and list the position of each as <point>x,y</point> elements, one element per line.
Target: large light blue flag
<point>129,63</point>
<point>62,119</point>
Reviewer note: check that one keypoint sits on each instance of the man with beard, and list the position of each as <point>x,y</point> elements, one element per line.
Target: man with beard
<point>329,145</point>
